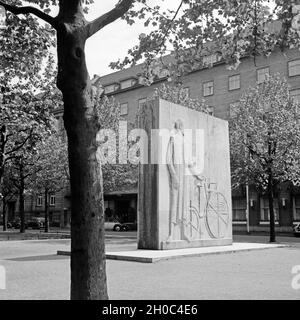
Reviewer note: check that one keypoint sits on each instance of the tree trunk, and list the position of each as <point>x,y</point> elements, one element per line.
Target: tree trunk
<point>271,188</point>
<point>2,154</point>
<point>21,210</point>
<point>4,215</point>
<point>88,268</point>
<point>271,207</point>
<point>46,210</point>
<point>21,199</point>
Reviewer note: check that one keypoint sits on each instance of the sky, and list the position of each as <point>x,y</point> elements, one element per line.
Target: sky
<point>112,42</point>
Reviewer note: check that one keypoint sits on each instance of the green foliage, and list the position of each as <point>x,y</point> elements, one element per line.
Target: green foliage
<point>25,45</point>
<point>115,176</point>
<point>179,95</point>
<point>265,135</point>
<point>51,166</point>
<point>198,29</point>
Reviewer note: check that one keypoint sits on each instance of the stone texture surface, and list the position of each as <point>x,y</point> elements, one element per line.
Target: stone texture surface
<point>185,190</point>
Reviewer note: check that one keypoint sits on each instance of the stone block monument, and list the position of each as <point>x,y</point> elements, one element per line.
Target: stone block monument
<point>184,181</point>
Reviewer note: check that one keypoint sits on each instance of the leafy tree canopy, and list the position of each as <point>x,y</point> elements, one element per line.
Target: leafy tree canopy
<point>265,135</point>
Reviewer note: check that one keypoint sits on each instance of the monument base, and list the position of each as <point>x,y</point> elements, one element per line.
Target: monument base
<point>183,244</point>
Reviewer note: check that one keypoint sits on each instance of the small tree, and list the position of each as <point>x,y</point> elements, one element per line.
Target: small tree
<point>22,76</point>
<point>8,193</point>
<point>21,169</point>
<point>50,170</point>
<point>265,140</point>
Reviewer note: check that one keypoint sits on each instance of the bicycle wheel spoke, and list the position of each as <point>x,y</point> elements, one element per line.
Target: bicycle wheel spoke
<point>221,218</point>
<point>213,209</point>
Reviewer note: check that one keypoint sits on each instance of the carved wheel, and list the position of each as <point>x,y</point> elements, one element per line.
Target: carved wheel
<point>192,226</point>
<point>217,215</point>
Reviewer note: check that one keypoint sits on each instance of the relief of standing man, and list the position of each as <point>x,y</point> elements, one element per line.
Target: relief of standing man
<point>176,165</point>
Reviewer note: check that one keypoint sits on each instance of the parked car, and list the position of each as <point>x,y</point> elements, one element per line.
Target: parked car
<point>112,224</point>
<point>297,230</point>
<point>16,223</point>
<point>8,224</point>
<point>36,223</point>
<point>129,226</point>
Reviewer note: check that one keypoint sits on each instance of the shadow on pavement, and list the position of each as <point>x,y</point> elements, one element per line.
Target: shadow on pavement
<point>39,258</point>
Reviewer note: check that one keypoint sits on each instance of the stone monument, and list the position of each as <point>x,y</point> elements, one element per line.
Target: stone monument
<point>184,186</point>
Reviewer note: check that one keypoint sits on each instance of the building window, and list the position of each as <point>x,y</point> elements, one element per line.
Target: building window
<point>234,82</point>
<point>52,200</point>
<point>262,74</point>
<point>127,83</point>
<point>211,110</point>
<point>164,73</point>
<point>123,109</point>
<point>39,201</point>
<point>142,101</point>
<point>265,211</point>
<point>233,109</point>
<point>294,68</point>
<point>111,88</point>
<point>239,208</point>
<point>296,208</point>
<point>208,88</point>
<point>295,94</point>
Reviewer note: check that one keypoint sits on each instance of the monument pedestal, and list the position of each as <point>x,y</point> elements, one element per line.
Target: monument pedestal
<point>183,244</point>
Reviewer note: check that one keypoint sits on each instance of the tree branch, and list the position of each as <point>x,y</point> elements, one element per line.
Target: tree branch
<point>28,9</point>
<point>119,10</point>
<point>19,145</point>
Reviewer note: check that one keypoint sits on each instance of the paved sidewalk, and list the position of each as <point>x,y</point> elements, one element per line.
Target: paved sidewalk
<point>34,271</point>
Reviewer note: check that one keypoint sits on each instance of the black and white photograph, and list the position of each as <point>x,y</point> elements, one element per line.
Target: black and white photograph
<point>149,154</point>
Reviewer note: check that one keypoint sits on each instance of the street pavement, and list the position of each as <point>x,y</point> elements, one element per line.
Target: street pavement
<point>34,271</point>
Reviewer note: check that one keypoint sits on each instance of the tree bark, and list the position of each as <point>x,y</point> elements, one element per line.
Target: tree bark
<point>4,215</point>
<point>2,153</point>
<point>88,276</point>
<point>21,200</point>
<point>271,190</point>
<point>272,213</point>
<point>46,210</point>
<point>88,268</point>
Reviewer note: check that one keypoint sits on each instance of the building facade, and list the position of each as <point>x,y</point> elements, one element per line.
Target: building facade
<point>221,89</point>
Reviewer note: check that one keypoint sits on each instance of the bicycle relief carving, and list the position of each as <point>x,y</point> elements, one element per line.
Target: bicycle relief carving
<point>197,208</point>
<point>209,210</point>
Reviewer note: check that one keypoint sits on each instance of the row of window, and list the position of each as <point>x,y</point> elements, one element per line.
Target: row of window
<point>239,209</point>
<point>234,81</point>
<point>124,106</point>
<point>295,93</point>
<point>120,86</point>
<point>39,201</point>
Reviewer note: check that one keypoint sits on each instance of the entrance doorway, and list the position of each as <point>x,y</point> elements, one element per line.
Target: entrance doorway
<point>122,210</point>
<point>11,210</point>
